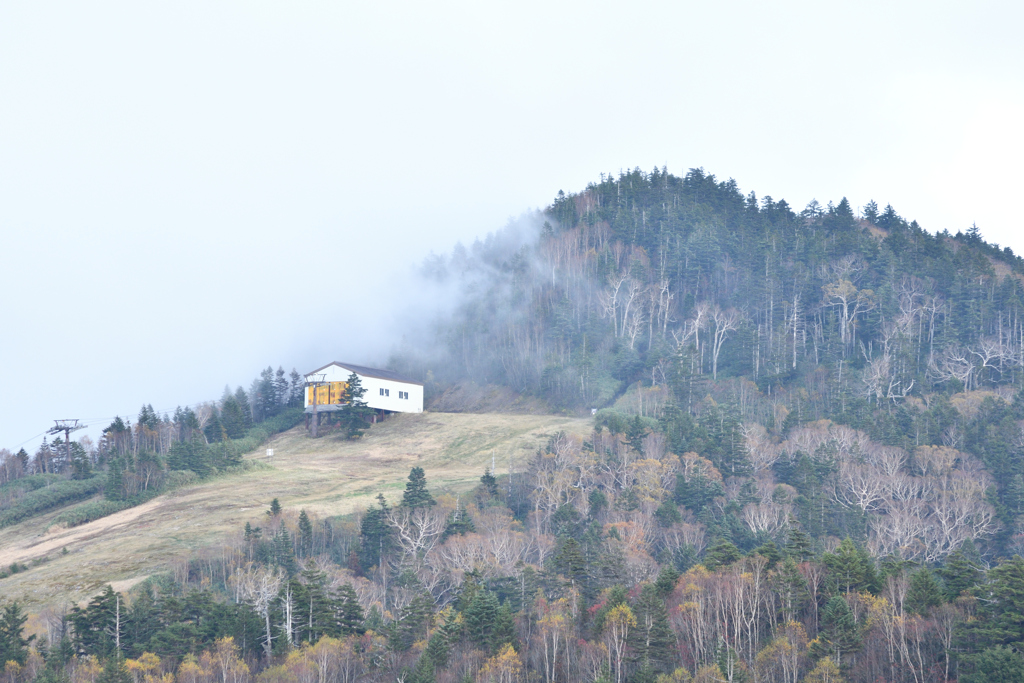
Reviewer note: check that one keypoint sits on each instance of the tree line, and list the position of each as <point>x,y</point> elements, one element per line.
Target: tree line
<point>604,559</point>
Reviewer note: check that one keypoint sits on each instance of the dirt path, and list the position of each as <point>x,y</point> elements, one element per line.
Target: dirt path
<point>326,476</point>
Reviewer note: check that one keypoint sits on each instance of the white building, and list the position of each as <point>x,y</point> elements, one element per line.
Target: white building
<point>386,391</point>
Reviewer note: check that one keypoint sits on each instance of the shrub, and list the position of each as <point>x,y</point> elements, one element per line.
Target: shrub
<point>57,494</point>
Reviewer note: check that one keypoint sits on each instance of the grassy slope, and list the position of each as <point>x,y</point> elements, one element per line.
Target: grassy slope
<point>329,476</point>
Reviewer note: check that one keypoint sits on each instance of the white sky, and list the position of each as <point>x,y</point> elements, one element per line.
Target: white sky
<point>190,191</point>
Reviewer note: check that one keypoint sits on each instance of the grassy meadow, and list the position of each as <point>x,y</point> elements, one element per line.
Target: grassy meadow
<point>327,476</point>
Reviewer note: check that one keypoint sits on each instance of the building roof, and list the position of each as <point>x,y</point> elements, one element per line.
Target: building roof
<point>370,372</point>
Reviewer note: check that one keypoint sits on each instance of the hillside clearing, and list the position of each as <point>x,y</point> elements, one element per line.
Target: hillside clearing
<point>328,476</point>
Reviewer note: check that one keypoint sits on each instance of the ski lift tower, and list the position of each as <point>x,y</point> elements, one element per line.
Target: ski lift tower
<point>315,380</point>
<point>66,426</point>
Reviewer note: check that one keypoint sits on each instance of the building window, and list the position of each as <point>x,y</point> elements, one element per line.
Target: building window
<point>381,392</point>
<point>387,392</point>
<point>403,394</point>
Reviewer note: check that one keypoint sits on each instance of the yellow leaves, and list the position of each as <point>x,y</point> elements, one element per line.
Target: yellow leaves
<point>709,674</point>
<point>145,669</point>
<point>504,667</point>
<point>12,671</point>
<point>190,670</point>
<point>825,672</point>
<point>677,676</point>
<point>619,616</point>
<point>649,477</point>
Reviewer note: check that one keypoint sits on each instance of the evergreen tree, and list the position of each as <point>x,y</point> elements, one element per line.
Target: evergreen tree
<point>354,413</point>
<point>792,590</point>
<point>721,554</point>
<point>652,639</point>
<point>1001,606</point>
<point>635,434</point>
<point>232,416</point>
<point>349,613</point>
<point>423,672</point>
<point>96,626</point>
<point>413,622</point>
<point>489,482</point>
<point>113,487</point>
<point>284,553</point>
<point>924,592</point>
<point>961,571</point>
<point>245,406</point>
<point>416,494</point>
<point>114,671</point>
<point>280,389</point>
<point>479,618</point>
<point>799,545</point>
<point>440,643</point>
<point>13,646</point>
<point>995,665</point>
<point>504,632</point>
<point>850,568</point>
<point>839,636</point>
<point>81,468</point>
<point>305,534</point>
<point>374,535</point>
<point>214,430</point>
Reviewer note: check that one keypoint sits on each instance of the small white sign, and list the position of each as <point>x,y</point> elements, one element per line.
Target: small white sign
<point>270,453</point>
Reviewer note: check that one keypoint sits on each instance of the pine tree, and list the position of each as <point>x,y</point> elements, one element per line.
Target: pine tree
<point>13,647</point>
<point>305,534</point>
<point>284,553</point>
<point>791,587</point>
<point>81,468</point>
<point>961,572</point>
<point>413,622</point>
<point>721,554</point>
<point>1001,606</point>
<point>374,535</point>
<point>246,408</point>
<point>114,671</point>
<point>652,639</point>
<point>416,494</point>
<point>113,487</point>
<point>349,613</point>
<point>839,635</point>
<point>504,631</point>
<point>479,618</point>
<point>850,568</point>
<point>924,592</point>
<point>232,417</point>
<point>994,665</point>
<point>354,413</point>
<point>799,545</point>
<point>489,482</point>
<point>440,643</point>
<point>96,626</point>
<point>214,430</point>
<point>424,671</point>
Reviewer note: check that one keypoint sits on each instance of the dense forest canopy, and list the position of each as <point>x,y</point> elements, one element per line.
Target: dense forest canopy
<point>735,325</point>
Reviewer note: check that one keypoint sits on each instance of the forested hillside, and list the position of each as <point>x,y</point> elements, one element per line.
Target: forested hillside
<point>806,463</point>
<point>132,463</point>
<point>751,334</point>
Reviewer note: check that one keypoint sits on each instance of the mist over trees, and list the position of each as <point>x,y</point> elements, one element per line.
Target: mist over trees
<point>653,278</point>
<point>732,325</point>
